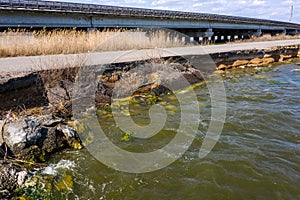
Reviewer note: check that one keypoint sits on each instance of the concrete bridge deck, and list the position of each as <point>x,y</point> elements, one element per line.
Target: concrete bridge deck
<point>95,9</point>
<point>36,63</point>
<point>202,26</point>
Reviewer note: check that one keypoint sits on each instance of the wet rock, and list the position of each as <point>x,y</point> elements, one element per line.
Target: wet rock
<point>115,77</point>
<point>284,58</point>
<point>21,133</point>
<point>193,76</point>
<point>155,77</point>
<point>223,67</point>
<point>267,61</point>
<point>36,139</point>
<point>256,61</point>
<point>52,182</point>
<point>261,61</point>
<point>239,63</point>
<point>268,56</point>
<point>11,177</point>
<point>36,187</point>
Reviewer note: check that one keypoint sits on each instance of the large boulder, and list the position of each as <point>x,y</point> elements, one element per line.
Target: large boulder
<point>35,139</point>
<point>156,77</point>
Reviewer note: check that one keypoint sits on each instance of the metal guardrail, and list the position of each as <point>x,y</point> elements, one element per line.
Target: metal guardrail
<point>55,6</point>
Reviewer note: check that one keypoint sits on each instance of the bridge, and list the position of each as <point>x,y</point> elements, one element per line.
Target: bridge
<point>199,26</point>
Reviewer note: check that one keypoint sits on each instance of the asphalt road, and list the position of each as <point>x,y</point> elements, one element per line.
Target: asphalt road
<point>36,63</point>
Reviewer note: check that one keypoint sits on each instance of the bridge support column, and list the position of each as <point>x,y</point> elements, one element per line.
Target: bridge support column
<point>228,38</point>
<point>197,39</point>
<point>208,36</point>
<point>258,33</point>
<point>216,38</point>
<point>206,41</point>
<point>186,39</point>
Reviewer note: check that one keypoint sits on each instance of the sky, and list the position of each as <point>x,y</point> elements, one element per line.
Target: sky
<point>274,9</point>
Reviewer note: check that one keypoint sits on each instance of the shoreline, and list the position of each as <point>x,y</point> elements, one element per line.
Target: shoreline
<point>53,83</point>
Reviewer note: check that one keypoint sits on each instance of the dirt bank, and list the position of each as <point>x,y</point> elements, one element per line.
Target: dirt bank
<point>25,90</point>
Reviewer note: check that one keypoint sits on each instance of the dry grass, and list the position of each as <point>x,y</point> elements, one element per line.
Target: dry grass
<point>23,43</point>
<point>269,37</point>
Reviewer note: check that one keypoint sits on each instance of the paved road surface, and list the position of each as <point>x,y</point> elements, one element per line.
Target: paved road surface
<point>35,63</point>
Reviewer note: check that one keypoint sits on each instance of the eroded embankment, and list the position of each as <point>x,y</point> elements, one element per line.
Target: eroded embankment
<point>35,118</point>
<point>29,90</point>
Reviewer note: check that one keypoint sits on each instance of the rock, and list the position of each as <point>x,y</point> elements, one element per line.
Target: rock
<point>154,85</point>
<point>53,182</point>
<point>115,77</point>
<point>21,177</point>
<point>56,95</point>
<point>268,56</point>
<point>267,61</point>
<point>193,76</point>
<point>21,133</point>
<point>256,61</point>
<point>239,63</point>
<point>153,78</point>
<point>35,140</point>
<point>284,57</point>
<point>261,61</point>
<point>223,67</point>
<point>11,177</point>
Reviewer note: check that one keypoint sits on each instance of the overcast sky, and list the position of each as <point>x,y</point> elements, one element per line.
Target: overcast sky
<point>274,9</point>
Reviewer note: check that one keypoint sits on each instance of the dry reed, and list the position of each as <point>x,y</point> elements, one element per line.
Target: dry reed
<point>269,37</point>
<point>23,43</point>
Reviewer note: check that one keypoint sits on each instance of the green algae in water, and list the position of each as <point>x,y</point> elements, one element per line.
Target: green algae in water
<point>126,136</point>
<point>86,135</point>
<point>37,187</point>
<point>43,187</point>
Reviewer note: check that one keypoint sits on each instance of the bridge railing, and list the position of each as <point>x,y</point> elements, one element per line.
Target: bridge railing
<point>127,11</point>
